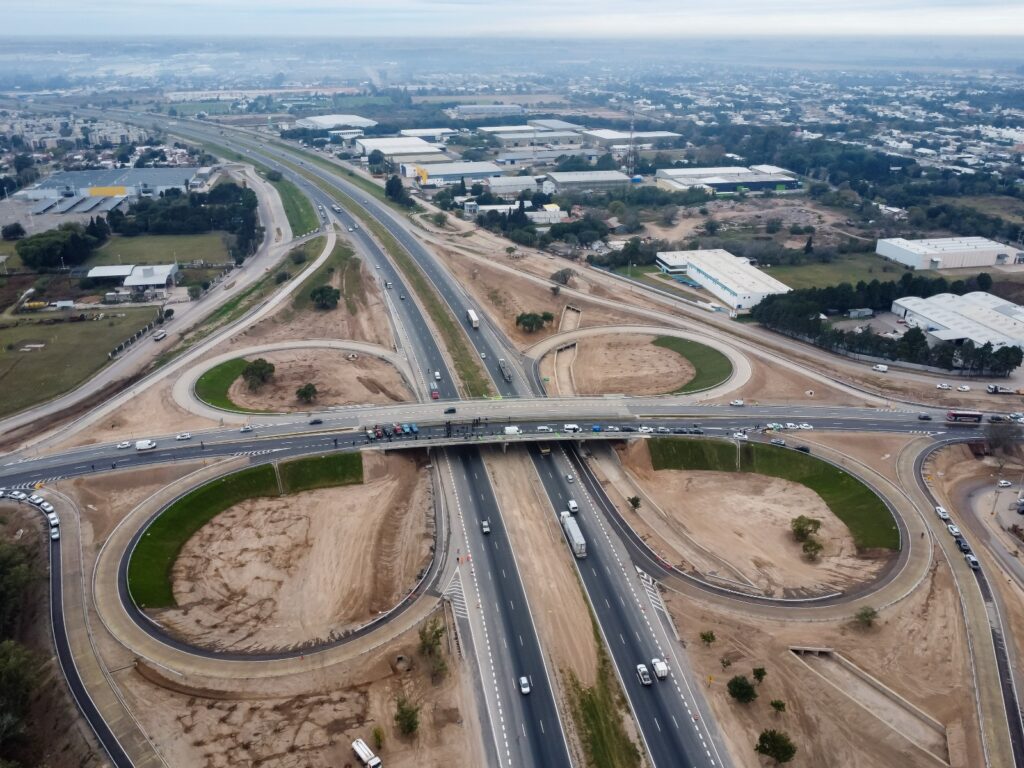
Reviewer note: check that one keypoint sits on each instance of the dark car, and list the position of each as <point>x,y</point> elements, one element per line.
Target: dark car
<point>449,410</point>
<point>961,542</point>
<point>387,431</point>
<point>995,418</point>
<point>924,417</point>
<point>681,431</point>
<point>803,449</point>
<point>316,421</point>
<point>696,431</point>
<point>629,429</point>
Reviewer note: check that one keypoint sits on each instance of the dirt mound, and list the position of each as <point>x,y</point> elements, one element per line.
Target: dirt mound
<point>286,572</point>
<point>338,380</point>
<point>610,365</point>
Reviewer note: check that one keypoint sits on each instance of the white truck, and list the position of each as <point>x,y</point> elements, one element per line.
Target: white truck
<point>513,431</point>
<point>660,668</point>
<point>574,535</point>
<point>145,445</point>
<point>365,754</point>
<point>474,321</point>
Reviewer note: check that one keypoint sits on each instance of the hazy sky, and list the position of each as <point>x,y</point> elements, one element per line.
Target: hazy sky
<point>538,18</point>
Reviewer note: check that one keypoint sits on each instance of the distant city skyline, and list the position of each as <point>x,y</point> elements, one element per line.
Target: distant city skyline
<point>525,18</point>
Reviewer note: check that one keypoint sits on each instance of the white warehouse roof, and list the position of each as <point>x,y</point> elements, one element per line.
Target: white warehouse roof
<point>156,274</point>
<point>607,134</point>
<point>738,272</point>
<point>402,145</point>
<point>111,270</point>
<point>940,245</point>
<point>466,168</point>
<point>948,317</point>
<point>569,177</point>
<point>326,122</point>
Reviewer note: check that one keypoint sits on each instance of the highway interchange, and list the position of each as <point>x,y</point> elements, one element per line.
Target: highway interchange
<point>665,714</point>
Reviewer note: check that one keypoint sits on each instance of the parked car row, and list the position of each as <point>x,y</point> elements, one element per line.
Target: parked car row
<point>388,431</point>
<point>40,503</point>
<point>958,538</point>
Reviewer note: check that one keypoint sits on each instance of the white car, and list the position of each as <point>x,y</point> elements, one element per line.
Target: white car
<point>544,428</point>
<point>737,403</point>
<point>53,520</point>
<point>791,425</point>
<point>777,441</point>
<point>47,507</point>
<point>1004,484</point>
<point>645,430</point>
<point>612,428</point>
<point>524,685</point>
<point>125,444</point>
<point>246,428</point>
<point>805,425</point>
<point>36,499</point>
<point>740,436</point>
<point>54,534</point>
<point>942,513</point>
<point>569,478</point>
<point>943,386</point>
<point>17,495</point>
<point>953,530</point>
<point>963,388</point>
<point>973,562</point>
<point>183,436</point>
<point>642,674</point>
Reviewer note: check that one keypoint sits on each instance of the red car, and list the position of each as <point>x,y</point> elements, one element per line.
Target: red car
<point>435,395</point>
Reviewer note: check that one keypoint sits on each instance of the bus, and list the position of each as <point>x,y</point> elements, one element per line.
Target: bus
<point>963,417</point>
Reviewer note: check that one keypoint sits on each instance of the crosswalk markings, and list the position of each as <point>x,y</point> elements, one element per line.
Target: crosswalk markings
<point>455,595</point>
<point>651,588</point>
<point>254,453</point>
<point>36,483</point>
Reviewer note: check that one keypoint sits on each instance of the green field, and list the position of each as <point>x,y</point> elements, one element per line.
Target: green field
<point>73,352</point>
<point>302,217</point>
<point>711,366</point>
<point>864,513</point>
<point>845,269</point>
<point>162,249</point>
<point>149,570</point>
<point>13,260</point>
<point>190,108</point>
<point>322,472</point>
<point>1009,208</point>
<point>212,387</point>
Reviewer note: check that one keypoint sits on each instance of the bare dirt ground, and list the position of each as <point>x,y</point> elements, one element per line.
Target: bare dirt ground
<point>55,736</point>
<point>504,296</point>
<point>775,384</point>
<point>878,450</point>
<point>310,721</point>
<point>918,649</point>
<point>628,364</point>
<point>154,412</point>
<point>752,212</point>
<point>557,603</point>
<point>338,380</point>
<point>742,520</point>
<point>282,572</point>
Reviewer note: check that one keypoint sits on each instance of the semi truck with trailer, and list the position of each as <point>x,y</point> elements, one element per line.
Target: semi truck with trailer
<point>574,536</point>
<point>474,321</point>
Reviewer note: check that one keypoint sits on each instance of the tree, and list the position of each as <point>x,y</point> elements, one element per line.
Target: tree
<point>19,671</point>
<point>984,281</point>
<point>325,296</point>
<point>778,705</point>
<point>168,314</point>
<point>804,527</point>
<point>812,548</point>
<point>563,276</point>
<point>707,637</point>
<point>634,502</point>
<point>440,219</point>
<point>282,277</point>
<point>376,159</point>
<point>407,716</point>
<point>430,637</point>
<point>741,689</point>
<point>809,245</point>
<point>532,321</point>
<point>274,175</point>
<point>298,256</point>
<point>257,373</point>
<point>759,674</point>
<point>378,737</point>
<point>395,190</point>
<point>711,226</point>
<point>776,745</point>
<point>13,231</point>
<point>306,393</point>
<point>866,616</point>
<point>194,292</point>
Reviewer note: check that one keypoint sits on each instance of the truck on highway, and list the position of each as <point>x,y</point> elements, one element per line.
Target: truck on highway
<point>474,321</point>
<point>506,369</point>
<point>574,535</point>
<point>145,445</point>
<point>513,431</point>
<point>660,668</point>
<point>365,754</point>
<point>998,389</point>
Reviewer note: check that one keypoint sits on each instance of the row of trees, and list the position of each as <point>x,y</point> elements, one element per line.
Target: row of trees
<point>19,667</point>
<point>67,246</point>
<point>801,314</point>
<point>227,207</point>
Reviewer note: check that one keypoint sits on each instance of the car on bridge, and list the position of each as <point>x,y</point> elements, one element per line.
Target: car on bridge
<point>544,428</point>
<point>645,430</point>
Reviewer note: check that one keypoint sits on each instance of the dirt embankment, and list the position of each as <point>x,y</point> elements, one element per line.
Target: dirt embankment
<point>736,527</point>
<point>628,364</point>
<point>917,648</point>
<point>284,572</point>
<point>338,380</point>
<point>310,720</point>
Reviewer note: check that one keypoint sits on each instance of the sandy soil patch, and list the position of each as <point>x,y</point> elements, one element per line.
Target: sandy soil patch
<point>742,521</point>
<point>918,649</point>
<point>310,721</point>
<point>751,212</point>
<point>338,380</point>
<point>776,384</point>
<point>282,572</point>
<point>628,364</point>
<point>154,412</point>
<point>878,450</point>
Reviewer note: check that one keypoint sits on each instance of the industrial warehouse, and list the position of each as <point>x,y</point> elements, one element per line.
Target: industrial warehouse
<point>978,316</point>
<point>732,279</point>
<point>948,252</point>
<point>728,179</point>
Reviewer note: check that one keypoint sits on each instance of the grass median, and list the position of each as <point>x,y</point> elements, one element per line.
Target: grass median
<point>152,561</point>
<point>212,387</point>
<point>711,367</point>
<point>863,512</point>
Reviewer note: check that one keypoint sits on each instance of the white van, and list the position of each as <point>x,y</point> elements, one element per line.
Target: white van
<point>573,506</point>
<point>437,375</point>
<point>159,335</point>
<point>570,427</point>
<point>880,368</point>
<point>366,757</point>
